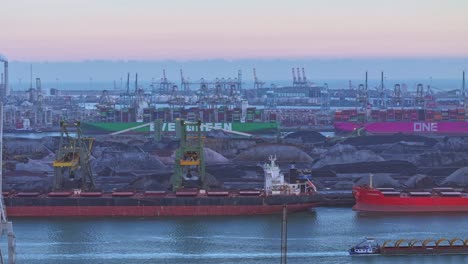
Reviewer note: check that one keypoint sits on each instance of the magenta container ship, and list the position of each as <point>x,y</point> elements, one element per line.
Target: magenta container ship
<point>407,121</point>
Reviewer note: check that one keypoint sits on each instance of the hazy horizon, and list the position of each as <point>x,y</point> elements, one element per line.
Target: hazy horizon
<point>274,69</point>
<point>444,73</point>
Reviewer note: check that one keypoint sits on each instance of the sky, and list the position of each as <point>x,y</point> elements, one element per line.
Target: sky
<point>77,30</point>
<point>102,40</point>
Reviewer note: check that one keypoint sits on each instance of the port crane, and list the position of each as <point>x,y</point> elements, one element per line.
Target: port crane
<point>73,158</point>
<point>257,83</point>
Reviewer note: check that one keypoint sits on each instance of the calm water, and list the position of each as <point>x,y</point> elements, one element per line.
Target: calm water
<point>322,237</point>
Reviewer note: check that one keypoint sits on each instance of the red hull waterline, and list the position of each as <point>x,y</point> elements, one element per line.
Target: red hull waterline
<point>151,211</point>
<point>373,200</point>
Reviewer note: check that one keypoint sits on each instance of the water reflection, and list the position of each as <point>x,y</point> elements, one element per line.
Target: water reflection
<point>322,236</point>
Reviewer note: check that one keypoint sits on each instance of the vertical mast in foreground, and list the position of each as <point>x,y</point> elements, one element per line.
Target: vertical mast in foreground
<point>6,227</point>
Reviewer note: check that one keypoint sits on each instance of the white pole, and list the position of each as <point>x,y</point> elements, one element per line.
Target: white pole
<point>1,163</point>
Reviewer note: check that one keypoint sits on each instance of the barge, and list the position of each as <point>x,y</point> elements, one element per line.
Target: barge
<point>369,246</point>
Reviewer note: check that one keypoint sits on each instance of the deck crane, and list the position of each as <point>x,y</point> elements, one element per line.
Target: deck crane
<point>73,158</point>
<point>189,158</point>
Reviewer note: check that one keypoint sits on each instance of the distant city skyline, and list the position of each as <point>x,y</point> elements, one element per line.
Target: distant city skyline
<point>183,30</point>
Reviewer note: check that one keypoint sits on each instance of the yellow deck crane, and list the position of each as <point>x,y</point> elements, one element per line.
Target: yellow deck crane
<point>190,158</point>
<point>72,158</point>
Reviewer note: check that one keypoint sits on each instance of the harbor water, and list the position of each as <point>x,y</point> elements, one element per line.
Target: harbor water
<point>321,236</point>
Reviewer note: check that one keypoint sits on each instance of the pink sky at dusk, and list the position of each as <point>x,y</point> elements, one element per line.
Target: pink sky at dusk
<point>61,30</point>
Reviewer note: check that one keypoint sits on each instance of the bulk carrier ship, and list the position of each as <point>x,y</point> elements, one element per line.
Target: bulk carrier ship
<point>389,200</point>
<point>181,201</point>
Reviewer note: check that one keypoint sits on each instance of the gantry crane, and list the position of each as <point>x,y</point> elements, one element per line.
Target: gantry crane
<point>189,159</point>
<point>72,158</point>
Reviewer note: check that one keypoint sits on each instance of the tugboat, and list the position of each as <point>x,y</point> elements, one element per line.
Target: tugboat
<point>367,247</point>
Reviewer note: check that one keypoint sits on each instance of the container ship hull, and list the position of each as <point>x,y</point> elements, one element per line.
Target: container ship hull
<point>169,127</point>
<point>143,206</point>
<point>382,128</point>
<point>374,200</point>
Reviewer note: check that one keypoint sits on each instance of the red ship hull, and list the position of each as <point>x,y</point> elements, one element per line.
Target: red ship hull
<point>373,200</point>
<point>151,211</point>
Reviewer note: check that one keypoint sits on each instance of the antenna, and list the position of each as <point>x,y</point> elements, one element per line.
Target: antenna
<point>463,85</point>
<point>136,82</point>
<point>255,75</point>
<point>30,76</point>
<point>299,79</point>
<point>294,77</point>
<point>304,79</point>
<point>128,83</point>
<point>381,81</point>
<point>182,81</point>
<point>239,80</point>
<point>366,82</point>
<point>382,90</point>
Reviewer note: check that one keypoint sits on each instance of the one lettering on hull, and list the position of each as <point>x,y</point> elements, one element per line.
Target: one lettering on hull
<point>424,127</point>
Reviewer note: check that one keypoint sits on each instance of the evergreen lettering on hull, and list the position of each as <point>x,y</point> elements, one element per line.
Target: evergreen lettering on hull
<point>171,127</point>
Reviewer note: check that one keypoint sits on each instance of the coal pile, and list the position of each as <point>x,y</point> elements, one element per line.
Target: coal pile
<point>345,154</point>
<point>284,153</point>
<point>389,139</point>
<point>304,137</point>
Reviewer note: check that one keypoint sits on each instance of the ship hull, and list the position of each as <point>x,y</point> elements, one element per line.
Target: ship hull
<point>169,127</point>
<point>425,250</point>
<point>155,206</point>
<point>150,211</point>
<point>372,200</point>
<point>383,128</point>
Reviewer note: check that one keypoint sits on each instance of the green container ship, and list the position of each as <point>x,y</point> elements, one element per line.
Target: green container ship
<point>169,127</point>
